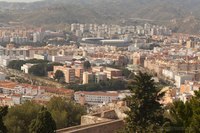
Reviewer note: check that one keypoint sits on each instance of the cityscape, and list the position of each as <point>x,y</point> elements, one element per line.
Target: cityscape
<point>98,77</point>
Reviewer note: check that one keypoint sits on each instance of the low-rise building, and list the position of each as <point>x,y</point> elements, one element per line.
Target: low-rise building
<point>112,73</point>
<point>95,98</point>
<point>25,68</point>
<point>181,78</point>
<point>12,93</point>
<point>189,87</point>
<point>40,56</point>
<point>16,98</point>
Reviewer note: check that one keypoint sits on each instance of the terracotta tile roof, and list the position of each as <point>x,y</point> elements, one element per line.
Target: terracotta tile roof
<point>11,85</point>
<point>97,93</point>
<point>7,84</point>
<point>16,95</point>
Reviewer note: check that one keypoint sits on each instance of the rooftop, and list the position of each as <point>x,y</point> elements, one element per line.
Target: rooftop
<point>7,84</point>
<point>97,93</point>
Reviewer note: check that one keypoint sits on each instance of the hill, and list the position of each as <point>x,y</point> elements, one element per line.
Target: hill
<point>184,13</point>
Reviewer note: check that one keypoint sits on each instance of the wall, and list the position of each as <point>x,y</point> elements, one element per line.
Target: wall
<point>107,127</point>
<point>86,120</point>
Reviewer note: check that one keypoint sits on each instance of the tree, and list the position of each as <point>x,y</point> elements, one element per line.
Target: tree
<point>3,112</point>
<point>195,122</point>
<point>65,113</point>
<point>75,111</point>
<point>125,72</point>
<point>16,64</point>
<point>82,59</point>
<point>38,70</point>
<point>51,65</point>
<point>19,117</point>
<point>37,61</point>
<point>181,115</point>
<point>59,75</point>
<point>146,113</point>
<point>108,85</point>
<point>86,65</point>
<point>43,123</point>
<point>57,107</point>
<point>185,117</point>
<point>116,84</point>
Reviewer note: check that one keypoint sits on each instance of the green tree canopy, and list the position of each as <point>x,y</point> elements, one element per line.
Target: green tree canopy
<point>195,122</point>
<point>109,85</point>
<point>181,115</point>
<point>57,107</point>
<point>43,123</point>
<point>16,64</point>
<point>127,73</point>
<point>19,117</point>
<point>36,61</point>
<point>51,65</point>
<point>146,113</point>
<point>3,112</point>
<point>38,70</point>
<point>185,117</point>
<point>86,65</point>
<point>65,113</point>
<point>59,75</point>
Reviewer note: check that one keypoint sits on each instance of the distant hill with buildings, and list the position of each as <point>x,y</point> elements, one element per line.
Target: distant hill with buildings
<point>181,15</point>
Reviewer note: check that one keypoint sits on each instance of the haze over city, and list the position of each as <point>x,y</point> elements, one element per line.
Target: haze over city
<point>99,66</point>
<point>20,0</point>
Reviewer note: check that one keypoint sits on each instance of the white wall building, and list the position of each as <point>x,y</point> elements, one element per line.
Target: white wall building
<point>61,59</point>
<point>38,37</point>
<point>95,98</point>
<point>181,78</point>
<point>168,74</point>
<point>25,68</point>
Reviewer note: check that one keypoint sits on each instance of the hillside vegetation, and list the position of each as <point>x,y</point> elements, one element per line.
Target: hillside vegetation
<point>182,15</point>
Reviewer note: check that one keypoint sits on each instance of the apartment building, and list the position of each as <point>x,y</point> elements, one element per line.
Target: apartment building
<point>138,58</point>
<point>112,73</point>
<point>88,77</point>
<point>69,73</point>
<point>92,77</point>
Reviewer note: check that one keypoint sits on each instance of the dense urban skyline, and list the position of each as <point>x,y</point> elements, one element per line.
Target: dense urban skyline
<point>99,66</point>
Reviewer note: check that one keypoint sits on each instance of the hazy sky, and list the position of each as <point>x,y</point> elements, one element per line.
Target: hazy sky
<point>20,0</point>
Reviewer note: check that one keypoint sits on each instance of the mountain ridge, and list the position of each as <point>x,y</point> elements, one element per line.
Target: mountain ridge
<point>105,11</point>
